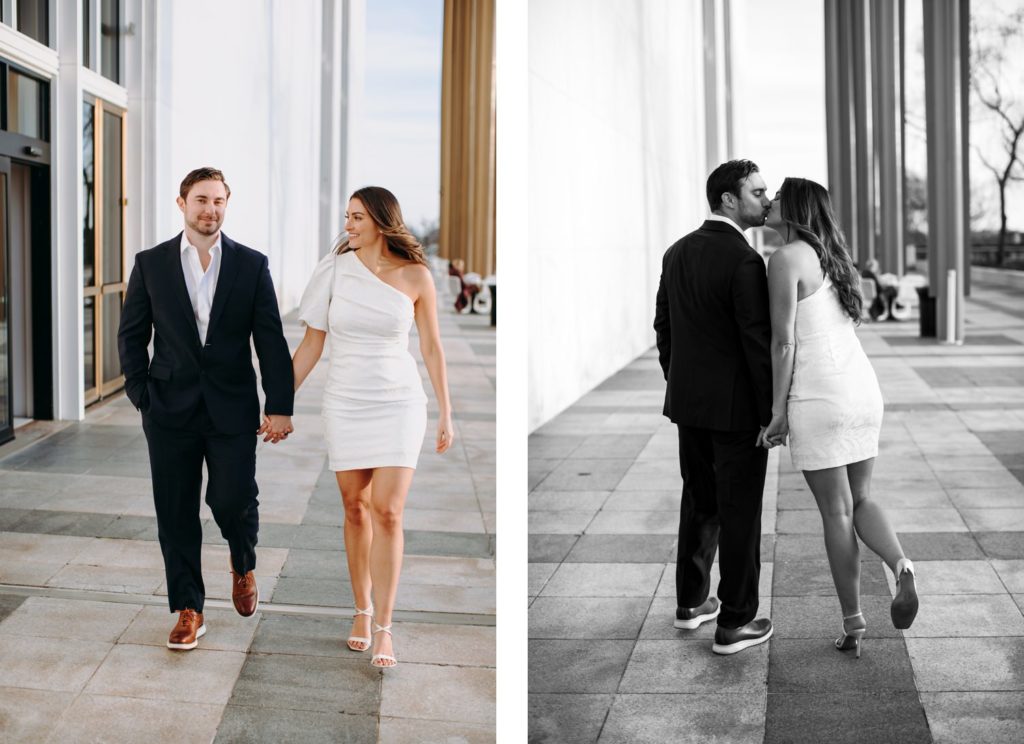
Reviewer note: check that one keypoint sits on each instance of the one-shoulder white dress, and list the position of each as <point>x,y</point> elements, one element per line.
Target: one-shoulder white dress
<point>835,403</point>
<point>374,408</point>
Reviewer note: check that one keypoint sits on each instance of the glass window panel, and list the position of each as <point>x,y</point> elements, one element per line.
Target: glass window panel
<point>5,334</point>
<point>88,195</point>
<point>111,320</point>
<point>112,198</point>
<point>996,96</point>
<point>33,19</point>
<point>86,35</point>
<point>110,41</point>
<point>24,105</point>
<point>89,342</point>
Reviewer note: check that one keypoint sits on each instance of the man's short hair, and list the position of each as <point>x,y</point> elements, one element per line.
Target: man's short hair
<point>201,174</point>
<point>728,177</point>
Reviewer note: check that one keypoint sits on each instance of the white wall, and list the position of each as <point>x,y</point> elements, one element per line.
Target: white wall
<point>616,175</point>
<point>241,92</point>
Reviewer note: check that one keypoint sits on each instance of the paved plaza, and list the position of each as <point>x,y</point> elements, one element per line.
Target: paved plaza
<point>605,662</point>
<point>84,617</point>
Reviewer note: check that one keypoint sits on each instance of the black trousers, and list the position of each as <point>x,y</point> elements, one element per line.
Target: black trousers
<point>176,459</point>
<point>723,483</point>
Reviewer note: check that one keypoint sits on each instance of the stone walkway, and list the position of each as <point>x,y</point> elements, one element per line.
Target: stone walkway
<point>83,613</point>
<point>606,663</point>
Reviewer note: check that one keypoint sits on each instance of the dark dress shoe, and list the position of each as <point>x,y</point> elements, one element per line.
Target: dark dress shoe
<point>245,595</point>
<point>690,618</point>
<point>731,640</point>
<point>188,631</point>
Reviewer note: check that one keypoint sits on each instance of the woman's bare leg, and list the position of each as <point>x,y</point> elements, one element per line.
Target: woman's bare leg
<point>868,517</point>
<point>355,495</point>
<point>388,491</point>
<point>831,489</point>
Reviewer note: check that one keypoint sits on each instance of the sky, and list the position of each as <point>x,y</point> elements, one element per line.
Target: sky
<point>399,130</point>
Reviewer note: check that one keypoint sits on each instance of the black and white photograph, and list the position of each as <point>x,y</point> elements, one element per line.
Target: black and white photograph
<point>776,371</point>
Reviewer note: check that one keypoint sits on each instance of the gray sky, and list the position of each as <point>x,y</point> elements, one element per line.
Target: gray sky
<point>400,128</point>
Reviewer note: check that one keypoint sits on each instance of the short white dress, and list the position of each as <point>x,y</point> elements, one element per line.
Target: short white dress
<point>835,403</point>
<point>374,407</point>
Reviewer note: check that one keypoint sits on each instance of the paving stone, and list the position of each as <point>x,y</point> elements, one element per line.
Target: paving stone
<point>797,666</point>
<point>125,719</point>
<point>1005,545</point>
<point>676,666</point>
<point>855,717</point>
<point>957,577</point>
<point>585,475</point>
<point>572,617</point>
<point>1011,573</point>
<point>419,731</point>
<point>48,617</point>
<point>951,546</point>
<point>967,615</point>
<point>569,718</point>
<point>537,576</point>
<point>967,664</point>
<point>420,542</point>
<point>621,549</point>
<point>655,501</point>
<point>319,592</point>
<point>634,522</point>
<point>41,664</point>
<point>577,665</point>
<point>267,725</point>
<point>328,685</point>
<point>8,604</point>
<point>610,445</point>
<point>981,717</point>
<point>549,548</point>
<point>226,630</point>
<point>30,716</point>
<point>559,522</point>
<point>685,718</point>
<point>199,676</point>
<point>440,693</point>
<point>573,501</point>
<point>604,580</point>
<point>813,578</point>
<point>821,617</point>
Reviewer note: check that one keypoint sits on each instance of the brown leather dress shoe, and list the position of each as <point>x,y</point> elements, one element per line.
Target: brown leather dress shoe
<point>245,595</point>
<point>188,631</point>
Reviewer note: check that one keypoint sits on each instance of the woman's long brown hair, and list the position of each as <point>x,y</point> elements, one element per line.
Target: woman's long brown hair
<point>807,209</point>
<point>382,207</point>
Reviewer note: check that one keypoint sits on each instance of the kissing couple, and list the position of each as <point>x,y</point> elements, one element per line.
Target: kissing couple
<point>754,359</point>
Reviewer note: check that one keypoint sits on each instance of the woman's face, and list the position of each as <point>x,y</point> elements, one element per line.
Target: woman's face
<point>774,219</point>
<point>358,224</point>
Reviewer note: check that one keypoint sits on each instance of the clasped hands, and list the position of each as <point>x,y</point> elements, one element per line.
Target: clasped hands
<point>776,433</point>
<point>275,428</point>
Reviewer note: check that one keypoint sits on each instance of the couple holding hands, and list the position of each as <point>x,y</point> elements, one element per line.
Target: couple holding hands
<point>754,359</point>
<point>201,297</point>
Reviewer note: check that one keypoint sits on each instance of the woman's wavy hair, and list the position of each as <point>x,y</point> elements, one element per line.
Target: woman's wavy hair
<point>382,207</point>
<point>807,209</point>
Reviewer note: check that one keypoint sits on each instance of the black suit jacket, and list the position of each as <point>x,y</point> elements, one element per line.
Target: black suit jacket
<point>714,331</point>
<point>220,373</point>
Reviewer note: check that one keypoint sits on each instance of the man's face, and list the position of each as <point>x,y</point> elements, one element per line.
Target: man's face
<point>753,204</point>
<point>204,206</point>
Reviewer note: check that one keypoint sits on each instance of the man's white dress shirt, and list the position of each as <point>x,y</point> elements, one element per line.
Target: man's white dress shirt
<point>201,284</point>
<point>726,220</point>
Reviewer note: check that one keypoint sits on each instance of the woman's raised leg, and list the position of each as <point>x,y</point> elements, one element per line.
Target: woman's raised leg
<point>868,517</point>
<point>355,496</point>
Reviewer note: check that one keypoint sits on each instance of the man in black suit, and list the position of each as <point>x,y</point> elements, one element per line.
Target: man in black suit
<point>202,296</point>
<point>714,334</point>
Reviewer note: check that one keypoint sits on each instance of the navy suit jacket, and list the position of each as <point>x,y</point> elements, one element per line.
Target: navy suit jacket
<point>714,331</point>
<point>183,372</point>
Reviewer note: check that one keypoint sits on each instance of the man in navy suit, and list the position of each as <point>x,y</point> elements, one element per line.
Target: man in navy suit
<point>714,336</point>
<point>201,297</point>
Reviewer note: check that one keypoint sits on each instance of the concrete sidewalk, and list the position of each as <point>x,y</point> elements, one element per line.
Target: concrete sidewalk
<point>84,618</point>
<point>607,665</point>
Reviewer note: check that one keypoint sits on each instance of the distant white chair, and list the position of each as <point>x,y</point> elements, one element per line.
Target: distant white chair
<point>906,300</point>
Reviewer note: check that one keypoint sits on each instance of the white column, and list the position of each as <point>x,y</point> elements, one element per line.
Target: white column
<point>331,126</point>
<point>66,215</point>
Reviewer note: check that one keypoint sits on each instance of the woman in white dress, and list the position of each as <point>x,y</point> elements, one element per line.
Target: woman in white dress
<point>366,294</point>
<point>826,396</point>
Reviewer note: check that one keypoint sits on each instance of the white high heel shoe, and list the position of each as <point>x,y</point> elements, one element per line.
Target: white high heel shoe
<point>378,660</point>
<point>903,609</point>
<point>851,639</point>
<point>360,639</point>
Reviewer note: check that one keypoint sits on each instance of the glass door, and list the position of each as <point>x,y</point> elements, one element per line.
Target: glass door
<point>6,365</point>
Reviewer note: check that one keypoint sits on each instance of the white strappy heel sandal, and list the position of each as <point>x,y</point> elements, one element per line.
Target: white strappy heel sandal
<point>384,661</point>
<point>360,639</point>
